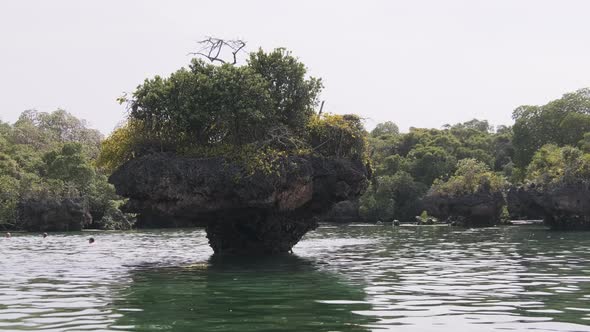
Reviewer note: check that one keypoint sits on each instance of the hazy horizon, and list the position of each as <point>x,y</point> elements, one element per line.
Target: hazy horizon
<point>418,63</point>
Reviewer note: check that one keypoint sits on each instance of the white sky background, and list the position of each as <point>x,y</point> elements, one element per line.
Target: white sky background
<point>416,62</point>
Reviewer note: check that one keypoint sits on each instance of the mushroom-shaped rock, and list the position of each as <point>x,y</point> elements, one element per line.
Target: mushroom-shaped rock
<point>262,211</point>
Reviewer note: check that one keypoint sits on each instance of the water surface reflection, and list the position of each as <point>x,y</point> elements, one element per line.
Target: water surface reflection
<point>243,294</point>
<point>341,278</point>
<point>441,278</point>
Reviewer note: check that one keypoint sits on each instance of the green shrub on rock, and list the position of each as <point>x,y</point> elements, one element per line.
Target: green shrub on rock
<point>552,164</point>
<point>114,219</point>
<point>342,136</point>
<point>470,177</point>
<point>250,115</point>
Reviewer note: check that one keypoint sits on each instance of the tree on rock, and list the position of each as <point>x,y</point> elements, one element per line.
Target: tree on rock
<point>472,196</point>
<point>238,149</point>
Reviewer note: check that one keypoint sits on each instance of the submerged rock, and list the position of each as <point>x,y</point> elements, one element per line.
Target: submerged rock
<point>262,212</point>
<point>482,208</point>
<point>44,215</point>
<point>564,206</point>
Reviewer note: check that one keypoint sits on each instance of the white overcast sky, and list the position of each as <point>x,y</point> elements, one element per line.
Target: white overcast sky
<point>415,62</point>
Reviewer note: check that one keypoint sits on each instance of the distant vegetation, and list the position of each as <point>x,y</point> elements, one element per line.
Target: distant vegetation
<point>553,164</point>
<point>406,165</point>
<point>268,108</point>
<point>50,156</point>
<point>471,176</point>
<point>547,144</point>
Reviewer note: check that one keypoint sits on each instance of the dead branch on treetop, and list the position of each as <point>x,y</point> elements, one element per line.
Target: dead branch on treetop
<point>212,49</point>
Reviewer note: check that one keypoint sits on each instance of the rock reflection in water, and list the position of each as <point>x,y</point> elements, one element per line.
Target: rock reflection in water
<point>343,278</point>
<point>242,294</point>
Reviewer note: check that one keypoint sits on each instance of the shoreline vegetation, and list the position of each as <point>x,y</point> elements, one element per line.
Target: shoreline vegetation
<point>262,117</point>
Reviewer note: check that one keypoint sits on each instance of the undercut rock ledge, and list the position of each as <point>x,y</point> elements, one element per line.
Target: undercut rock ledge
<point>242,213</point>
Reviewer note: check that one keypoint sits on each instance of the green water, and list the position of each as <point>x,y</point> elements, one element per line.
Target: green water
<point>340,278</point>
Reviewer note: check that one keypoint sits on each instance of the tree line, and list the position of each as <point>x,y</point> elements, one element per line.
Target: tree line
<point>546,144</point>
<point>259,112</point>
<point>47,157</point>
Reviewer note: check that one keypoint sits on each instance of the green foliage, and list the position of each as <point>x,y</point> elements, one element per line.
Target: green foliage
<point>382,147</point>
<point>475,124</point>
<point>69,165</point>
<point>385,128</point>
<point>428,163</point>
<point>8,166</point>
<point>122,145</point>
<point>553,164</point>
<point>391,165</point>
<point>502,149</point>
<point>419,158</point>
<point>207,105</point>
<point>471,176</point>
<point>294,97</point>
<point>337,135</point>
<point>8,199</point>
<point>252,157</point>
<point>204,105</point>
<point>424,215</point>
<point>378,204</point>
<point>564,121</point>
<point>114,219</point>
<point>505,215</point>
<point>47,130</point>
<point>584,143</point>
<point>392,197</point>
<point>249,114</point>
<point>99,194</point>
<point>50,157</point>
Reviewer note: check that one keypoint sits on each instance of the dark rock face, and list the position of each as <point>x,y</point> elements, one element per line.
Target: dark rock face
<point>53,215</point>
<point>478,209</point>
<point>243,213</point>
<point>255,231</point>
<point>521,205</point>
<point>564,206</point>
<point>343,212</point>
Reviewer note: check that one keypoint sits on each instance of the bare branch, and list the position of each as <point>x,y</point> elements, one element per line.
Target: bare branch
<point>241,45</point>
<point>213,49</point>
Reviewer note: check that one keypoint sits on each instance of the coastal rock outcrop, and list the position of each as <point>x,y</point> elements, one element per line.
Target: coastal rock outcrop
<point>521,205</point>
<point>482,208</point>
<point>564,206</point>
<point>343,212</point>
<point>44,215</point>
<point>243,212</point>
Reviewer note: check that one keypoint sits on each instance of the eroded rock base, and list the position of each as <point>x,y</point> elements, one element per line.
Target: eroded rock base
<point>257,233</point>
<point>244,213</point>
<point>471,210</point>
<point>568,222</point>
<point>564,206</point>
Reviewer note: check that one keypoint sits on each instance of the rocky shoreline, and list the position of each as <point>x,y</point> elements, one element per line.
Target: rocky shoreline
<point>269,213</point>
<point>479,209</point>
<point>563,206</point>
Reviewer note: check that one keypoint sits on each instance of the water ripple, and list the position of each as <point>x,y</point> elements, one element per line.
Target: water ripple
<point>341,278</point>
